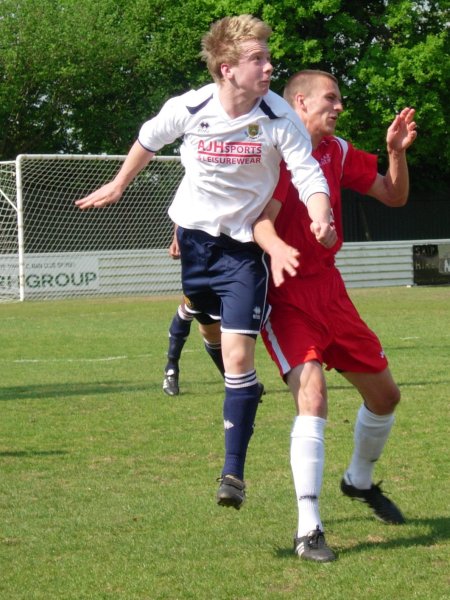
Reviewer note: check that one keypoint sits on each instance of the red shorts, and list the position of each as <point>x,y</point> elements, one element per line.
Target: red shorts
<point>314,319</point>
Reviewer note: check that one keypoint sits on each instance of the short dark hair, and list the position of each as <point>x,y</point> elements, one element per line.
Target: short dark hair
<point>303,81</point>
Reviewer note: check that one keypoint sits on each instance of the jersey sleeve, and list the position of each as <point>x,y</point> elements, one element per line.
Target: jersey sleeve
<point>284,181</point>
<point>164,128</point>
<point>359,170</point>
<point>294,145</point>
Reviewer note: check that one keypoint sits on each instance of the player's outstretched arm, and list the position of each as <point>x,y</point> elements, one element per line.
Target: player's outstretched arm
<point>283,258</point>
<point>137,158</point>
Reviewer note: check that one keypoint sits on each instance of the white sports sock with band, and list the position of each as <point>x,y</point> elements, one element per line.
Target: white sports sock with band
<point>370,436</point>
<point>307,462</point>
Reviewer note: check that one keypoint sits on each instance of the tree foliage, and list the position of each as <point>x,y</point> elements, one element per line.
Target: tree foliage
<point>82,75</point>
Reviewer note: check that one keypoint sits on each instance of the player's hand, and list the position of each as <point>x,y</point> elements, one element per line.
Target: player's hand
<point>107,194</point>
<point>402,131</point>
<point>283,259</point>
<point>325,233</point>
<point>174,249</point>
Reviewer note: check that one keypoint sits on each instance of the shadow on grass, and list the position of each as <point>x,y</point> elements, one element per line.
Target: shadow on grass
<point>439,530</point>
<point>63,390</point>
<point>31,453</point>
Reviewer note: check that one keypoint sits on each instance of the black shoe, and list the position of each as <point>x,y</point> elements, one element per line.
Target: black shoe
<point>313,547</point>
<point>384,509</point>
<point>231,491</point>
<point>261,391</point>
<point>170,383</point>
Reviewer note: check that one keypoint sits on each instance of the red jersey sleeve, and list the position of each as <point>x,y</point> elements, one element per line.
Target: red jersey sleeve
<point>284,180</point>
<point>359,169</point>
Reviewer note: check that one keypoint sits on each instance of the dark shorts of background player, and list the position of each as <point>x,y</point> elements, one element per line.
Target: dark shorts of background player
<point>225,279</point>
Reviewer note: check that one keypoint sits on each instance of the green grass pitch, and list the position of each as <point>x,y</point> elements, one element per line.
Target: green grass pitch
<point>107,486</point>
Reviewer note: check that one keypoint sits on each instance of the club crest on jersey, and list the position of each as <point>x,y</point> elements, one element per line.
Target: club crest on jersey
<point>204,126</point>
<point>253,131</point>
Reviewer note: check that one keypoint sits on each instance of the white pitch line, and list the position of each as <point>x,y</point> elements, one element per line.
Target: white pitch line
<point>52,360</point>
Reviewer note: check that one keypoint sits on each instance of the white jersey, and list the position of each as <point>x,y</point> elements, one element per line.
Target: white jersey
<point>231,165</point>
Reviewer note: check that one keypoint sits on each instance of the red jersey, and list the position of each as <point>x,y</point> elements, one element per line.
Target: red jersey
<point>344,167</point>
<point>312,316</point>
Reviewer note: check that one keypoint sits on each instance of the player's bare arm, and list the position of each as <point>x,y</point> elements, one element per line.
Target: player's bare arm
<point>322,222</point>
<point>283,258</point>
<point>402,131</point>
<point>174,248</point>
<point>392,188</point>
<point>137,158</point>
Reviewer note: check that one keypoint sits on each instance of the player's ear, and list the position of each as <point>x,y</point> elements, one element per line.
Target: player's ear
<point>300,101</point>
<point>226,70</point>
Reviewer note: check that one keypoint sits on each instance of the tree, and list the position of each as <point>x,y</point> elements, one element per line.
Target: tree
<point>54,52</point>
<point>82,75</point>
<point>386,54</point>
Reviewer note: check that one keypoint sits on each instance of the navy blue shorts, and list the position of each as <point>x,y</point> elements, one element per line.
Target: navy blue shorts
<point>224,279</point>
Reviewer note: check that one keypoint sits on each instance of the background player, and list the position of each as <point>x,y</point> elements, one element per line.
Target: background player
<point>313,320</point>
<point>179,330</point>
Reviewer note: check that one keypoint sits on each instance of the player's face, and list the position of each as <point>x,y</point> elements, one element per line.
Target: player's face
<point>323,106</point>
<point>254,70</point>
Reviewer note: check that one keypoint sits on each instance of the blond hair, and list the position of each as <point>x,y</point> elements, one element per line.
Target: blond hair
<point>303,82</point>
<point>222,42</point>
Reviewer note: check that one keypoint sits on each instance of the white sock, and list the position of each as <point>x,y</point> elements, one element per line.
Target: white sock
<point>307,461</point>
<point>370,436</point>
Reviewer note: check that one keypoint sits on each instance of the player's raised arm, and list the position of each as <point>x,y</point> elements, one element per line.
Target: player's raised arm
<point>392,188</point>
<point>137,158</point>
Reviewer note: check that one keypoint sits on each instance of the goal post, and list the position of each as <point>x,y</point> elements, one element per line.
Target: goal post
<point>9,227</point>
<point>51,249</point>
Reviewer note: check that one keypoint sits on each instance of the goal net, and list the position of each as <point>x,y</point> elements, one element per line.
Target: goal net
<point>51,249</point>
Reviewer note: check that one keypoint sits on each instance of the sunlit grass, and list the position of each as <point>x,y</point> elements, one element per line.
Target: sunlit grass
<point>107,486</point>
